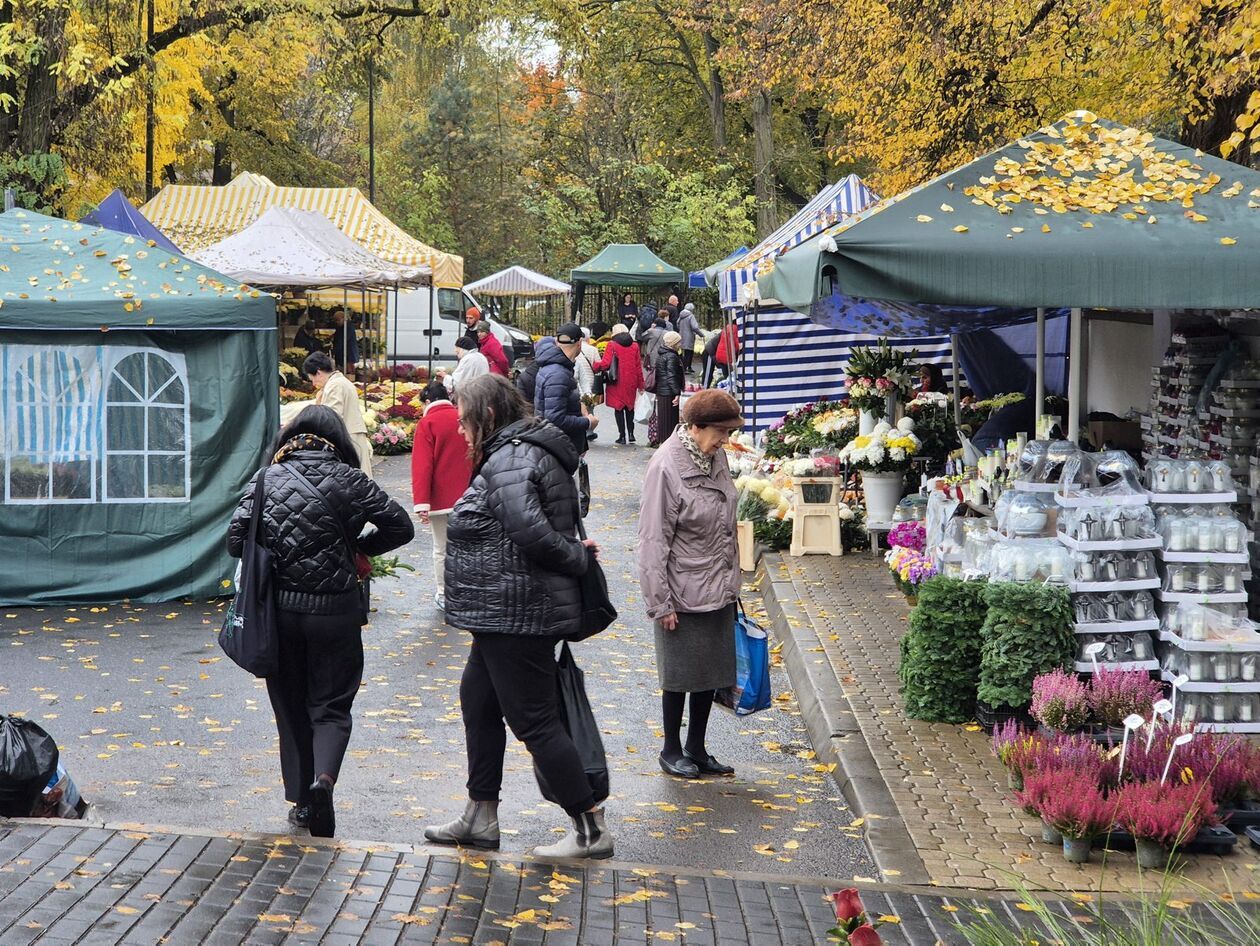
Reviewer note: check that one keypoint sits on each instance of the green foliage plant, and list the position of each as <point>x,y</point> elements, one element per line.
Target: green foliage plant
<point>941,652</point>
<point>1028,631</point>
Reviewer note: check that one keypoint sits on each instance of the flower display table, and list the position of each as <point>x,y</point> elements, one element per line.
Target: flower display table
<point>816,515</point>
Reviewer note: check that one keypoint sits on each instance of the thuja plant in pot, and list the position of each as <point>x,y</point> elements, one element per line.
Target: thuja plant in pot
<point>1074,806</point>
<point>941,652</point>
<point>1027,631</point>
<point>1163,816</point>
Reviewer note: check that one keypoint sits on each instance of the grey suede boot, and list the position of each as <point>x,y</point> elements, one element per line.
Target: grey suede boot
<point>478,826</point>
<point>589,838</point>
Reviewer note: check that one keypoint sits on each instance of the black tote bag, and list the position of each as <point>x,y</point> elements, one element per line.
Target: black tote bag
<point>579,722</point>
<point>249,634</point>
<point>597,608</point>
<point>28,760</point>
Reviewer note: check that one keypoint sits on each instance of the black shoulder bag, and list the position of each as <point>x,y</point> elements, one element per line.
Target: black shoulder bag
<point>249,635</point>
<point>364,584</point>
<point>597,608</point>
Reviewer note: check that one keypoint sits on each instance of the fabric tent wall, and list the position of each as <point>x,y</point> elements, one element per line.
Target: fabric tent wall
<point>787,361</point>
<point>140,549</point>
<point>1001,360</point>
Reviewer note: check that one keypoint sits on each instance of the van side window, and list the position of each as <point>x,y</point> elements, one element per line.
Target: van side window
<point>451,304</point>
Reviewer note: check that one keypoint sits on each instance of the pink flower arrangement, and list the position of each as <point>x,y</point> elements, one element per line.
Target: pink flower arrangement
<point>1115,694</point>
<point>852,924</point>
<point>884,386</point>
<point>1073,804</point>
<point>908,535</point>
<point>909,566</point>
<point>1167,814</point>
<point>1060,701</point>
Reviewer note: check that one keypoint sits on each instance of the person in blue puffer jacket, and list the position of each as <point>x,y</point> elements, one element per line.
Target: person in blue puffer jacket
<point>555,388</point>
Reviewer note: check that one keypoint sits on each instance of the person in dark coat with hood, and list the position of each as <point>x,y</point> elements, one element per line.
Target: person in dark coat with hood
<point>319,611</point>
<point>555,389</point>
<point>620,394</point>
<point>670,381</point>
<point>513,564</point>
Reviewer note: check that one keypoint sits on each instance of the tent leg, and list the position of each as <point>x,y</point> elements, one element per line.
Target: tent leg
<point>1041,362</point>
<point>955,379</point>
<point>1075,372</point>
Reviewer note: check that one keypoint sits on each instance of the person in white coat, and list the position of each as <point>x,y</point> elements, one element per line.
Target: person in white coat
<point>333,389</point>
<point>470,363</point>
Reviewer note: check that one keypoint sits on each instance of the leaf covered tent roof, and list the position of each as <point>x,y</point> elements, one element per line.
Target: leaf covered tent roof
<point>1083,213</point>
<point>57,274</point>
<point>626,264</point>
<point>517,281</point>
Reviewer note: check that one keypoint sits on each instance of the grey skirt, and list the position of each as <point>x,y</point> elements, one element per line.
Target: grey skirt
<point>699,654</point>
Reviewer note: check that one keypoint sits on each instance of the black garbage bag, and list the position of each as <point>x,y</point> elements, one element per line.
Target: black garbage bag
<point>579,721</point>
<point>28,760</point>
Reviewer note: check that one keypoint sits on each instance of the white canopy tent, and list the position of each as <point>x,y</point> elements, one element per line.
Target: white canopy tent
<point>518,281</point>
<point>290,248</point>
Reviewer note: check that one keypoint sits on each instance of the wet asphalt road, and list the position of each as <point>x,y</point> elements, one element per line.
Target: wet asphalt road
<point>158,728</point>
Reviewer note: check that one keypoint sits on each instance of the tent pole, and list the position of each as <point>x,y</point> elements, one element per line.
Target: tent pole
<point>1041,362</point>
<point>957,384</point>
<point>1075,367</point>
<point>393,368</point>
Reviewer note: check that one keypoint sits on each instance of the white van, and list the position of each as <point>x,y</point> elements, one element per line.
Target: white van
<point>424,323</point>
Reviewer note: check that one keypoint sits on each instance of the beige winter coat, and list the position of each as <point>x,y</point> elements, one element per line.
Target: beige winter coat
<point>340,394</point>
<point>688,556</point>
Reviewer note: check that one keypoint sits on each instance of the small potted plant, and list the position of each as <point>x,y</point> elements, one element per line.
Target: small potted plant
<point>1117,694</point>
<point>1032,799</point>
<point>1162,816</point>
<point>1016,750</point>
<point>1060,702</point>
<point>1075,807</point>
<point>853,926</point>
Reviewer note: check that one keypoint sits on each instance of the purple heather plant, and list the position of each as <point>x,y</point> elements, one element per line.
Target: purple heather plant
<point>1115,694</point>
<point>1060,701</point>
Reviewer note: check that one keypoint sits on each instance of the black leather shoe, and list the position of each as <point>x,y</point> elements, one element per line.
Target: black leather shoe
<point>708,765</point>
<point>683,768</point>
<point>300,816</point>
<point>323,822</point>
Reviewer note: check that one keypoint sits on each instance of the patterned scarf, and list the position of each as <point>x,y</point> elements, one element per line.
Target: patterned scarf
<point>702,459</point>
<point>303,442</point>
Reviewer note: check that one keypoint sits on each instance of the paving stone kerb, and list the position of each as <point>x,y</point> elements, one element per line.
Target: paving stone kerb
<point>935,800</point>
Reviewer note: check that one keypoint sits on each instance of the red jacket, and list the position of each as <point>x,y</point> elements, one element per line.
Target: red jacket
<point>728,346</point>
<point>492,348</point>
<point>440,468</point>
<point>620,394</point>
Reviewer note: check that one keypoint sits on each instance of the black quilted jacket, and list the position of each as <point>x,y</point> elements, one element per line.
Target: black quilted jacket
<point>512,555</point>
<point>670,377</point>
<point>315,573</point>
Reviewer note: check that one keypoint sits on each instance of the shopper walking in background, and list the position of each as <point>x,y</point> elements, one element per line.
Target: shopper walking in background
<point>555,388</point>
<point>492,348</point>
<point>440,472</point>
<point>513,564</point>
<point>689,573</point>
<point>316,503</point>
<point>334,390</point>
<point>689,328</point>
<point>469,363</point>
<point>624,373</point>
<point>670,381</point>
<point>727,349</point>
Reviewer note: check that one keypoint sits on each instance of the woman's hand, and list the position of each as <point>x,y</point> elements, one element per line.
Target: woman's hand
<point>670,621</point>
<point>593,546</point>
<point>675,400</point>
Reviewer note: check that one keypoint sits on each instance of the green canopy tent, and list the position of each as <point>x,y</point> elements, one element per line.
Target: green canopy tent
<point>626,266</point>
<point>137,391</point>
<point>1082,214</point>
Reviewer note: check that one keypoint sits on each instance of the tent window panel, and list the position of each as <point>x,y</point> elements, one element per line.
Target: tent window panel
<point>126,427</point>
<point>160,374</point>
<point>166,429</point>
<point>50,445</point>
<point>127,382</point>
<point>166,477</point>
<point>125,472</point>
<point>170,391</point>
<point>29,478</point>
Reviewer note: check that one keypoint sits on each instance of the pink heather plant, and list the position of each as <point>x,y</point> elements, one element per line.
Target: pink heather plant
<point>1166,814</point>
<point>1060,701</point>
<point>908,535</point>
<point>1115,694</point>
<point>1073,805</point>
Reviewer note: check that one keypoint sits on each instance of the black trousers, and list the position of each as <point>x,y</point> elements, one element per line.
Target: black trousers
<point>625,421</point>
<point>513,677</point>
<point>321,666</point>
<point>666,417</point>
<point>687,355</point>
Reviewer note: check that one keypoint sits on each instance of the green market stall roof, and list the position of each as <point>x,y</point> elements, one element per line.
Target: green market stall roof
<point>56,274</point>
<point>1085,213</point>
<point>626,264</point>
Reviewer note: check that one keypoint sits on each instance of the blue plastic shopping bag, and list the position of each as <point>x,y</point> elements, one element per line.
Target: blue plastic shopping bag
<point>751,691</point>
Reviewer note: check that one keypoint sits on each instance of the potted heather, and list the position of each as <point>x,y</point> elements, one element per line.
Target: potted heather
<point>1116,694</point>
<point>1074,806</point>
<point>1037,787</point>
<point>1060,702</point>
<point>1015,749</point>
<point>1163,816</point>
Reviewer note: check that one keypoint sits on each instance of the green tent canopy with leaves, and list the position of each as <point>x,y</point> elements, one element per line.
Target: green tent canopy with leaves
<point>626,264</point>
<point>137,392</point>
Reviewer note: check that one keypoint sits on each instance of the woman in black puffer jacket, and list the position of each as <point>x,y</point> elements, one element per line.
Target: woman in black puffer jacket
<point>670,380</point>
<point>316,500</point>
<point>512,566</point>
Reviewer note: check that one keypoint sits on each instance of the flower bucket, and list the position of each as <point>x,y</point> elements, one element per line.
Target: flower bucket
<point>1151,855</point>
<point>866,423</point>
<point>747,545</point>
<point>1050,834</point>
<point>1076,850</point>
<point>883,492</point>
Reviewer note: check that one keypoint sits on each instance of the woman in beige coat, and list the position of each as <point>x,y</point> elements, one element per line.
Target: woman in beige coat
<point>689,572</point>
<point>335,390</point>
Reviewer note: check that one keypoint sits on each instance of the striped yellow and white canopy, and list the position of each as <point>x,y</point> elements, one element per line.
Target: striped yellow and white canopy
<point>196,216</point>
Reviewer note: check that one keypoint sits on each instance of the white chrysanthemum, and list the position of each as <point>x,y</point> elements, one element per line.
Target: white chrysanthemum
<point>905,425</point>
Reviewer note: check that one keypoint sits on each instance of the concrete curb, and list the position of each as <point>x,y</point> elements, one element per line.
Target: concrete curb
<point>834,732</point>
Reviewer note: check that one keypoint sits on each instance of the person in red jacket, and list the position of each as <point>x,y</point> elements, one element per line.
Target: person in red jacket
<point>620,394</point>
<point>440,472</point>
<point>492,348</point>
<point>727,349</point>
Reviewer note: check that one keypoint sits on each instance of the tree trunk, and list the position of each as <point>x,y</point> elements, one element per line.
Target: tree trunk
<point>1208,133</point>
<point>222,162</point>
<point>35,125</point>
<point>717,96</point>
<point>763,163</point>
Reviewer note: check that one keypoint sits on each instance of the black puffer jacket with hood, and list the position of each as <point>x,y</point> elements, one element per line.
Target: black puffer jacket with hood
<point>512,555</point>
<point>315,572</point>
<point>556,395</point>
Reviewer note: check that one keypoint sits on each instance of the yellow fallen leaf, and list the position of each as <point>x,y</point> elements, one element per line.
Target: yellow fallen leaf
<point>946,208</point>
<point>274,918</point>
<point>1178,904</point>
<point>1045,228</point>
<point>923,218</point>
<point>1026,907</point>
<point>889,918</point>
<point>126,911</point>
<point>960,229</point>
<point>1228,241</point>
<point>949,908</point>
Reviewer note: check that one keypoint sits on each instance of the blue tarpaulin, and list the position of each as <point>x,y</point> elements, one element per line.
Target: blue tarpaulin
<point>117,213</point>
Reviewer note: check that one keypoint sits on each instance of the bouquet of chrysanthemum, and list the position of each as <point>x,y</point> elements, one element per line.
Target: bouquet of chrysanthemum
<point>886,449</point>
<point>908,535</point>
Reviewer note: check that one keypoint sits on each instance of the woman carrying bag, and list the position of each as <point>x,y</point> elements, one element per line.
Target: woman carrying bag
<point>514,568</point>
<point>670,381</point>
<point>624,373</point>
<point>689,571</point>
<point>316,502</point>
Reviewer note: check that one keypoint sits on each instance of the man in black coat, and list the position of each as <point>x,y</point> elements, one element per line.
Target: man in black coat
<point>555,388</point>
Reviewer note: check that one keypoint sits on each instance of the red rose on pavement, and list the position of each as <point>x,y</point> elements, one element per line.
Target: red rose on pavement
<point>847,903</point>
<point>865,935</point>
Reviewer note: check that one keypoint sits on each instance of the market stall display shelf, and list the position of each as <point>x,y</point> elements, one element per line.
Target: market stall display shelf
<point>1116,627</point>
<point>1178,499</point>
<point>1025,487</point>
<point>1232,412</point>
<point>1209,558</point>
<point>1129,584</point>
<point>1110,545</point>
<point>1198,597</point>
<point>1216,647</point>
<point>1126,499</point>
<point>1087,666</point>
<point>1210,686</point>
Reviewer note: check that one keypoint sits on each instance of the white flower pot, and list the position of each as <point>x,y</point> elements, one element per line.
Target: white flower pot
<point>883,492</point>
<point>866,423</point>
